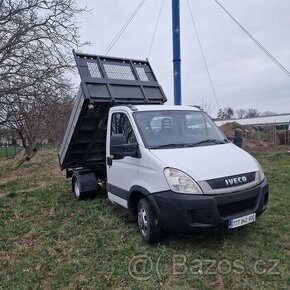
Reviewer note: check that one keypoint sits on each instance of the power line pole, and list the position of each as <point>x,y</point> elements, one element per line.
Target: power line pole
<point>176,51</point>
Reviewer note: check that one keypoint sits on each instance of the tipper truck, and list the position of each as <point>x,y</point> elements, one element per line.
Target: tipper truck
<point>169,165</point>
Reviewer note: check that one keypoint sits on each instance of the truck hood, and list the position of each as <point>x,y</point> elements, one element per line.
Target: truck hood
<point>208,162</point>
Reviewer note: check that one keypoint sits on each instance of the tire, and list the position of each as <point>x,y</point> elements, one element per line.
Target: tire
<point>78,194</point>
<point>84,184</point>
<point>147,222</point>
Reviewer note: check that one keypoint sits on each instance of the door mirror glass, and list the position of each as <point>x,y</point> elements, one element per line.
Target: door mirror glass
<point>119,149</point>
<point>117,139</point>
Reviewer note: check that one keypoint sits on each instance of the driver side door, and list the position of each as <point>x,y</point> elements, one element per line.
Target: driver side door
<point>121,173</point>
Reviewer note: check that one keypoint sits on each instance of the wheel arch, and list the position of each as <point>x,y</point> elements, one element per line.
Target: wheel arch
<point>136,193</point>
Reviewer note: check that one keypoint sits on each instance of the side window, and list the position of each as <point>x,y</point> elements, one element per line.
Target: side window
<point>120,124</point>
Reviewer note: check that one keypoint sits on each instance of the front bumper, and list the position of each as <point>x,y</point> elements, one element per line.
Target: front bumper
<point>184,212</point>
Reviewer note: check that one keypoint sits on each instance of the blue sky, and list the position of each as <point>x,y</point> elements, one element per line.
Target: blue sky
<point>242,75</point>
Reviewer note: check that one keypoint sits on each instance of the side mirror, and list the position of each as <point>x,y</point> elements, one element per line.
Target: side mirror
<point>238,140</point>
<point>119,149</point>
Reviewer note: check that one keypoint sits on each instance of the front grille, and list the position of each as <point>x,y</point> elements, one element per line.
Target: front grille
<point>231,181</point>
<point>238,207</point>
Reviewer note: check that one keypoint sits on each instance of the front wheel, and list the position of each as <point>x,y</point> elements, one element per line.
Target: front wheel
<point>148,222</point>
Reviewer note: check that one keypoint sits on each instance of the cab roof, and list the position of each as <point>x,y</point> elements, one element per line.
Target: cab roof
<point>143,108</point>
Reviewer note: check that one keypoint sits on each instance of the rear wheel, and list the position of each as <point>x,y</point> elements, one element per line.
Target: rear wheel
<point>147,222</point>
<point>84,184</point>
<point>77,189</point>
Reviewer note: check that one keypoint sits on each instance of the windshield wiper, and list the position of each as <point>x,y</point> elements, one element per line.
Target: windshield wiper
<point>210,141</point>
<point>183,145</point>
<point>173,145</point>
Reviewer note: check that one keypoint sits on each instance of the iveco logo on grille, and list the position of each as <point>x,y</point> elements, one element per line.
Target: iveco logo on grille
<point>236,180</point>
<point>231,181</point>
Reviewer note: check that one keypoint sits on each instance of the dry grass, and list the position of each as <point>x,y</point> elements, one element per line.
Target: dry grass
<point>48,240</point>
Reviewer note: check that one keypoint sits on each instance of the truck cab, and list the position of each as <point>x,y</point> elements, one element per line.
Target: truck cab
<point>169,165</point>
<point>181,172</point>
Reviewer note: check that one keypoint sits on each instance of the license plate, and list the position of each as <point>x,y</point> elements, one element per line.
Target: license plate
<point>238,222</point>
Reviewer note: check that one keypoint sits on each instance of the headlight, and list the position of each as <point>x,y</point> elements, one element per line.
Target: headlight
<point>260,172</point>
<point>180,182</point>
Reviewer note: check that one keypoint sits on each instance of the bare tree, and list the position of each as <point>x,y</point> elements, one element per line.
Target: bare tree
<point>252,113</point>
<point>241,113</point>
<point>225,113</point>
<point>36,38</point>
<point>206,106</point>
<point>42,116</point>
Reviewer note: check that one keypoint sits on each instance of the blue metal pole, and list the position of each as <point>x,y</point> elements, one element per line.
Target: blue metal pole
<point>176,51</point>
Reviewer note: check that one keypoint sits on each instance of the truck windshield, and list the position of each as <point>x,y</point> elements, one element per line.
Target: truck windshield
<point>177,128</point>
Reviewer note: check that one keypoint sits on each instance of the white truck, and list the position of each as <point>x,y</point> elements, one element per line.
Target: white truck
<point>169,165</point>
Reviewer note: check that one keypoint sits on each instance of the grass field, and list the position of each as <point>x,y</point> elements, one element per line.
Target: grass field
<point>9,152</point>
<point>49,240</point>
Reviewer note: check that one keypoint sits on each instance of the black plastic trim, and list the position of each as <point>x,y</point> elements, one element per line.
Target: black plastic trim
<point>139,189</point>
<point>181,212</point>
<point>146,193</point>
<point>117,191</point>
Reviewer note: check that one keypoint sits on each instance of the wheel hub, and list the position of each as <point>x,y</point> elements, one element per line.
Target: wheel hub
<point>142,221</point>
<point>77,189</point>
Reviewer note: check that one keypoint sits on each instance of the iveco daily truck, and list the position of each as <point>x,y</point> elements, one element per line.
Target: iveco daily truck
<point>169,165</point>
